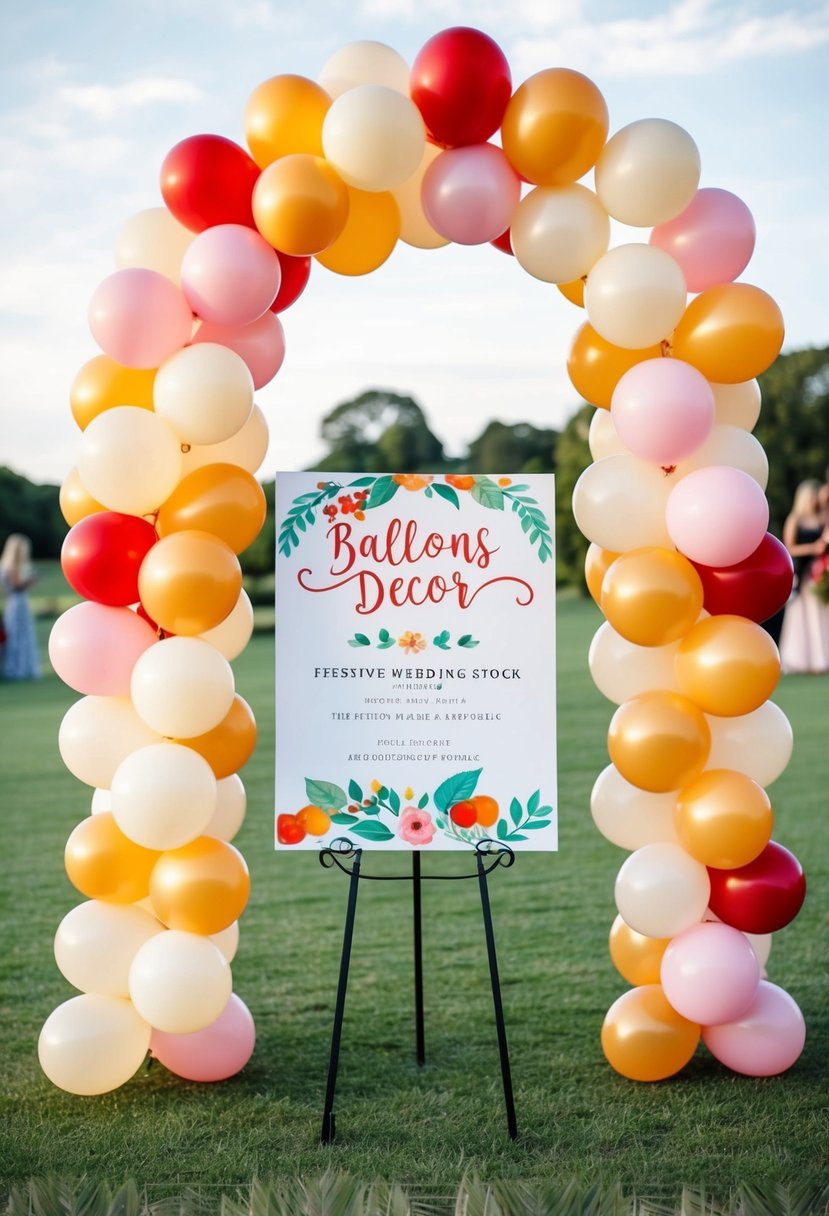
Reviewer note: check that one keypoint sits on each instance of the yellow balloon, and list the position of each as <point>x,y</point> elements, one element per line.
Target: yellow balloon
<point>573,291</point>
<point>595,366</point>
<point>200,888</point>
<point>659,741</point>
<point>222,499</point>
<point>597,562</point>
<point>651,596</point>
<point>300,204</point>
<point>189,582</point>
<point>102,384</point>
<point>369,236</point>
<point>228,746</point>
<point>75,500</point>
<point>644,1038</point>
<point>723,819</point>
<point>636,957</point>
<point>105,864</point>
<point>284,115</point>
<point>554,127</point>
<point>731,333</point>
<point>727,665</point>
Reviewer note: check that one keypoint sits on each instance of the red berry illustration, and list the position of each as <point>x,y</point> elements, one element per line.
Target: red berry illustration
<point>289,830</point>
<point>463,814</point>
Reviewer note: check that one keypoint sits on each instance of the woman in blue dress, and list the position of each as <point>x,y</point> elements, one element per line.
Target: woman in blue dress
<point>20,657</point>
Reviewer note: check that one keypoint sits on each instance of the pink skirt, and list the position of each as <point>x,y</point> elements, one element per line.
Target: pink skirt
<point>804,636</point>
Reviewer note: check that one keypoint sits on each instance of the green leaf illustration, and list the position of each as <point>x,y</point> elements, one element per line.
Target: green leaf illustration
<point>343,818</point>
<point>502,829</point>
<point>456,789</point>
<point>362,481</point>
<point>515,811</point>
<point>394,801</point>
<point>359,639</point>
<point>383,489</point>
<point>447,493</point>
<point>467,641</point>
<point>488,494</point>
<point>533,801</point>
<point>325,794</point>
<point>424,801</point>
<point>354,791</point>
<point>373,830</point>
<point>534,825</point>
<point>442,640</point>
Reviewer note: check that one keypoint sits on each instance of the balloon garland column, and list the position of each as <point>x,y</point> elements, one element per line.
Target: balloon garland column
<point>163,498</point>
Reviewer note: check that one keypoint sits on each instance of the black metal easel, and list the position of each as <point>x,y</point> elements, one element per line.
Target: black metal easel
<point>490,854</point>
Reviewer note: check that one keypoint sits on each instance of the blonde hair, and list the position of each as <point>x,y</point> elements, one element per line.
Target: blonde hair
<point>805,498</point>
<point>16,558</point>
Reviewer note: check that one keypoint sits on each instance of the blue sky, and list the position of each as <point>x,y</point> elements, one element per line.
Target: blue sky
<point>94,94</point>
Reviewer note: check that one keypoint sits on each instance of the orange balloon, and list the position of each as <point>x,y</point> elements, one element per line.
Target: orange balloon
<point>222,499</point>
<point>596,366</point>
<point>284,115</point>
<point>651,596</point>
<point>554,127</point>
<point>730,333</point>
<point>300,204</point>
<point>573,291</point>
<point>102,384</point>
<point>228,746</point>
<point>370,234</point>
<point>637,958</point>
<point>659,741</point>
<point>644,1038</point>
<point>727,665</point>
<point>75,500</point>
<point>723,819</point>
<point>597,562</point>
<point>189,582</point>
<point>200,888</point>
<point>105,864</point>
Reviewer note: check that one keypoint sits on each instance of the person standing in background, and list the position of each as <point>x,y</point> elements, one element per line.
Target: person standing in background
<point>20,660</point>
<point>804,636</point>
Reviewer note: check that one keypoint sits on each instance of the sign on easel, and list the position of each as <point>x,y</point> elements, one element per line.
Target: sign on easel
<point>415,660</point>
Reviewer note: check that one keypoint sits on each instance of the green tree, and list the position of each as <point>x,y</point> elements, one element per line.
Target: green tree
<point>380,432</point>
<point>517,448</point>
<point>33,510</point>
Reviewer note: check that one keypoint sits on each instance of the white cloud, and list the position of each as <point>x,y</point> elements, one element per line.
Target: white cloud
<point>107,101</point>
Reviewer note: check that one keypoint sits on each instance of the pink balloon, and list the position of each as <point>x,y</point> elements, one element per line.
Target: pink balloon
<point>139,317</point>
<point>261,344</point>
<point>767,1038</point>
<point>215,1053</point>
<point>717,515</point>
<point>663,410</point>
<point>469,194</point>
<point>712,239</point>
<point>94,647</point>
<point>230,275</point>
<point>710,973</point>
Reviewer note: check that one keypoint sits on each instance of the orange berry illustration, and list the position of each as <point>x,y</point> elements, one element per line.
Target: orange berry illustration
<point>460,481</point>
<point>486,809</point>
<point>313,820</point>
<point>463,814</point>
<point>412,481</point>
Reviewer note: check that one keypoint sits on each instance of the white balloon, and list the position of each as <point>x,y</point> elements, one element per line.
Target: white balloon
<point>129,460</point>
<point>758,744</point>
<point>558,233</point>
<point>101,802</point>
<point>92,1043</point>
<point>415,229</point>
<point>182,687</point>
<point>154,239</point>
<point>247,448</point>
<point>731,445</point>
<point>661,890</point>
<point>648,172</point>
<point>97,734</point>
<point>231,636</point>
<point>180,982</point>
<point>96,942</point>
<point>374,137</point>
<point>630,817</point>
<point>231,804</point>
<point>205,393</point>
<point>227,940</point>
<point>603,438</point>
<point>163,796</point>
<point>633,298</point>
<point>364,63</point>
<point>738,404</point>
<point>619,504</point>
<point>622,670</point>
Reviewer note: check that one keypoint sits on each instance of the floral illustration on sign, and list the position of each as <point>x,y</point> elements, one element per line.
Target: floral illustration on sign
<point>380,814</point>
<point>411,642</point>
<point>331,499</point>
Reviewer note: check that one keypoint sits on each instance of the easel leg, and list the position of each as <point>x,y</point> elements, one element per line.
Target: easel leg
<point>328,1123</point>
<point>506,1075</point>
<point>418,960</point>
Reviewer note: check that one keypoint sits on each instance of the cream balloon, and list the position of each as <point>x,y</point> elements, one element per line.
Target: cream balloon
<point>630,817</point>
<point>153,238</point>
<point>231,804</point>
<point>374,137</point>
<point>647,172</point>
<point>247,448</point>
<point>619,504</point>
<point>92,1043</point>
<point>97,734</point>
<point>96,943</point>
<point>163,796</point>
<point>603,439</point>
<point>661,890</point>
<point>180,982</point>
<point>182,687</point>
<point>622,670</point>
<point>634,296</point>
<point>231,636</point>
<point>415,229</point>
<point>738,404</point>
<point>205,393</point>
<point>227,940</point>
<point>101,802</point>
<point>731,445</point>
<point>558,233</point>
<point>129,460</point>
<point>365,62</point>
<point>759,743</point>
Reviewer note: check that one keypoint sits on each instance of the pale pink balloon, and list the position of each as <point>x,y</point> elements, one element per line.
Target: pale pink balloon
<point>261,344</point>
<point>215,1053</point>
<point>663,410</point>
<point>710,974</point>
<point>712,239</point>
<point>717,515</point>
<point>230,274</point>
<point>139,317</point>
<point>766,1039</point>
<point>93,648</point>
<point>469,194</point>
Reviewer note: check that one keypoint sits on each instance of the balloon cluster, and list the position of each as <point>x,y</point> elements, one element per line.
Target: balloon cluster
<point>163,498</point>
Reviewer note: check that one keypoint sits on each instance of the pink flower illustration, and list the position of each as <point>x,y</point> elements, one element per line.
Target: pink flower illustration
<point>415,826</point>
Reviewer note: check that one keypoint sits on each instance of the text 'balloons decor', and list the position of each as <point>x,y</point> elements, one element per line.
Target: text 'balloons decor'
<point>162,497</point>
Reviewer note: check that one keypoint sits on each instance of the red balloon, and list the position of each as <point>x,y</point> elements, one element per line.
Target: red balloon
<point>756,587</point>
<point>295,274</point>
<point>102,553</point>
<point>504,241</point>
<point>207,180</point>
<point>761,897</point>
<point>461,83</point>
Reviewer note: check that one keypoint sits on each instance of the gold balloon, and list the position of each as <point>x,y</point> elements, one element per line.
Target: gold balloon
<point>222,499</point>
<point>200,888</point>
<point>723,819</point>
<point>727,665</point>
<point>597,562</point>
<point>105,864</point>
<point>554,127</point>
<point>370,234</point>
<point>596,366</point>
<point>651,596</point>
<point>644,1038</point>
<point>300,204</point>
<point>229,745</point>
<point>102,384</point>
<point>636,957</point>
<point>731,333</point>
<point>75,500</point>
<point>284,115</point>
<point>573,291</point>
<point>659,741</point>
<point>189,582</point>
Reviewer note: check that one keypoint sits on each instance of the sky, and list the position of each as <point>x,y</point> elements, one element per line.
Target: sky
<point>94,94</point>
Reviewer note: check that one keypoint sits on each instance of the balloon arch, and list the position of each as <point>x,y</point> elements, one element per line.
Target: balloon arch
<point>163,498</point>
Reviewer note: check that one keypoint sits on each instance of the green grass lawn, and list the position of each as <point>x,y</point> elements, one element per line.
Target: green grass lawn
<point>423,1127</point>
